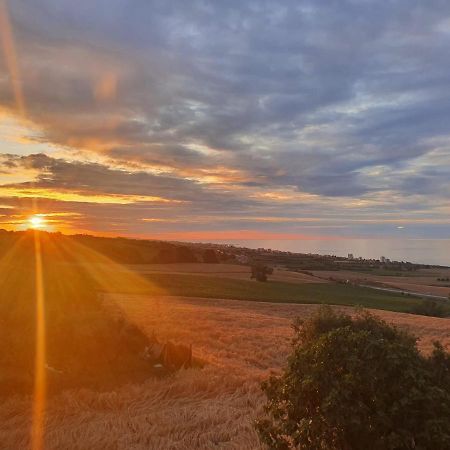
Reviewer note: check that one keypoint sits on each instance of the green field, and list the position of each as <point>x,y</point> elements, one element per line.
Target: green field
<point>272,291</point>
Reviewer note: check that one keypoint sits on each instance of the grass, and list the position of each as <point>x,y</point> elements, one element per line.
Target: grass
<point>273,291</point>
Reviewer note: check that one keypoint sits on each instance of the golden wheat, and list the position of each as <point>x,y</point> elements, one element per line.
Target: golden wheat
<point>213,407</point>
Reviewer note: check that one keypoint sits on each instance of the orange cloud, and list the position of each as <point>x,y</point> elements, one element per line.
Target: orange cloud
<point>105,88</point>
<point>79,197</point>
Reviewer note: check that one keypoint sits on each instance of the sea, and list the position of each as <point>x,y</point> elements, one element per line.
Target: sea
<point>420,251</point>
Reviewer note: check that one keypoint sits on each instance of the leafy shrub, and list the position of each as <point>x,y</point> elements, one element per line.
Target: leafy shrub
<point>357,384</point>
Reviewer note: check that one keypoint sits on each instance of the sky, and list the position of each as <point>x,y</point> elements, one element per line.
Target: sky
<point>226,119</point>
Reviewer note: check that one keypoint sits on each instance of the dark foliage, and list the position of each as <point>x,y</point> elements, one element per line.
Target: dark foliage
<point>260,272</point>
<point>209,256</point>
<point>431,308</point>
<point>170,254</point>
<point>185,255</point>
<point>357,384</point>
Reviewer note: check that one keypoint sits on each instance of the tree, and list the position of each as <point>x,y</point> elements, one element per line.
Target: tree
<point>175,254</point>
<point>260,272</point>
<point>209,256</point>
<point>185,255</point>
<point>357,384</point>
<point>165,255</point>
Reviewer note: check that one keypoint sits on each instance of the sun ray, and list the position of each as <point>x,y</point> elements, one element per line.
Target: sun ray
<point>10,255</point>
<point>110,276</point>
<point>40,388</point>
<point>114,278</point>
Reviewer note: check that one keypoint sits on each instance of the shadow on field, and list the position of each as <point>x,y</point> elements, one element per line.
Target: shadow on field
<point>53,322</point>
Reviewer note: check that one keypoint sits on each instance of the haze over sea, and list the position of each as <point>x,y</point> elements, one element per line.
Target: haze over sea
<point>421,251</point>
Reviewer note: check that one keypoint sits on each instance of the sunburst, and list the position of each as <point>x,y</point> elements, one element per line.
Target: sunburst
<point>37,222</point>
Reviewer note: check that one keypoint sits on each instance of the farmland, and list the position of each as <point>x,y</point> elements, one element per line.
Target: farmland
<point>212,407</point>
<point>233,271</point>
<point>273,291</point>
<point>424,281</point>
<point>233,282</point>
<point>100,314</point>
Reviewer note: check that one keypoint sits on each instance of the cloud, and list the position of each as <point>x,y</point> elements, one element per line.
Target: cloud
<point>218,105</point>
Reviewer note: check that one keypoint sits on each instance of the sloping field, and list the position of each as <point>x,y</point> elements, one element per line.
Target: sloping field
<point>234,271</point>
<point>424,281</point>
<point>209,408</point>
<point>421,288</point>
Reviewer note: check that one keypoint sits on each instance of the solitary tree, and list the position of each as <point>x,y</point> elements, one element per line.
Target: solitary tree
<point>260,272</point>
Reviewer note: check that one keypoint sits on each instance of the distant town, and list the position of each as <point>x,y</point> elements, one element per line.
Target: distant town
<point>310,261</point>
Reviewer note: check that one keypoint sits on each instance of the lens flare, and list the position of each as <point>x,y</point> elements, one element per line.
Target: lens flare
<point>37,222</point>
<point>40,388</point>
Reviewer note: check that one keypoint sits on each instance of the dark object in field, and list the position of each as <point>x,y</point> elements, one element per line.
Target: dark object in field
<point>168,356</point>
<point>260,272</point>
<point>357,383</point>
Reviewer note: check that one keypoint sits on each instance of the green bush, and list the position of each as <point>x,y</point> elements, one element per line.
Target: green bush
<point>357,384</point>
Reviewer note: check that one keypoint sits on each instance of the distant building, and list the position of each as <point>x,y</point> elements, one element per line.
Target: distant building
<point>383,259</point>
<point>350,256</point>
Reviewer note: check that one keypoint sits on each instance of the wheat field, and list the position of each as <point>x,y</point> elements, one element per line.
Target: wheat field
<point>214,407</point>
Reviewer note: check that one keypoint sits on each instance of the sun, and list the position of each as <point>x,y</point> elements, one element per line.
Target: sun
<point>37,222</point>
